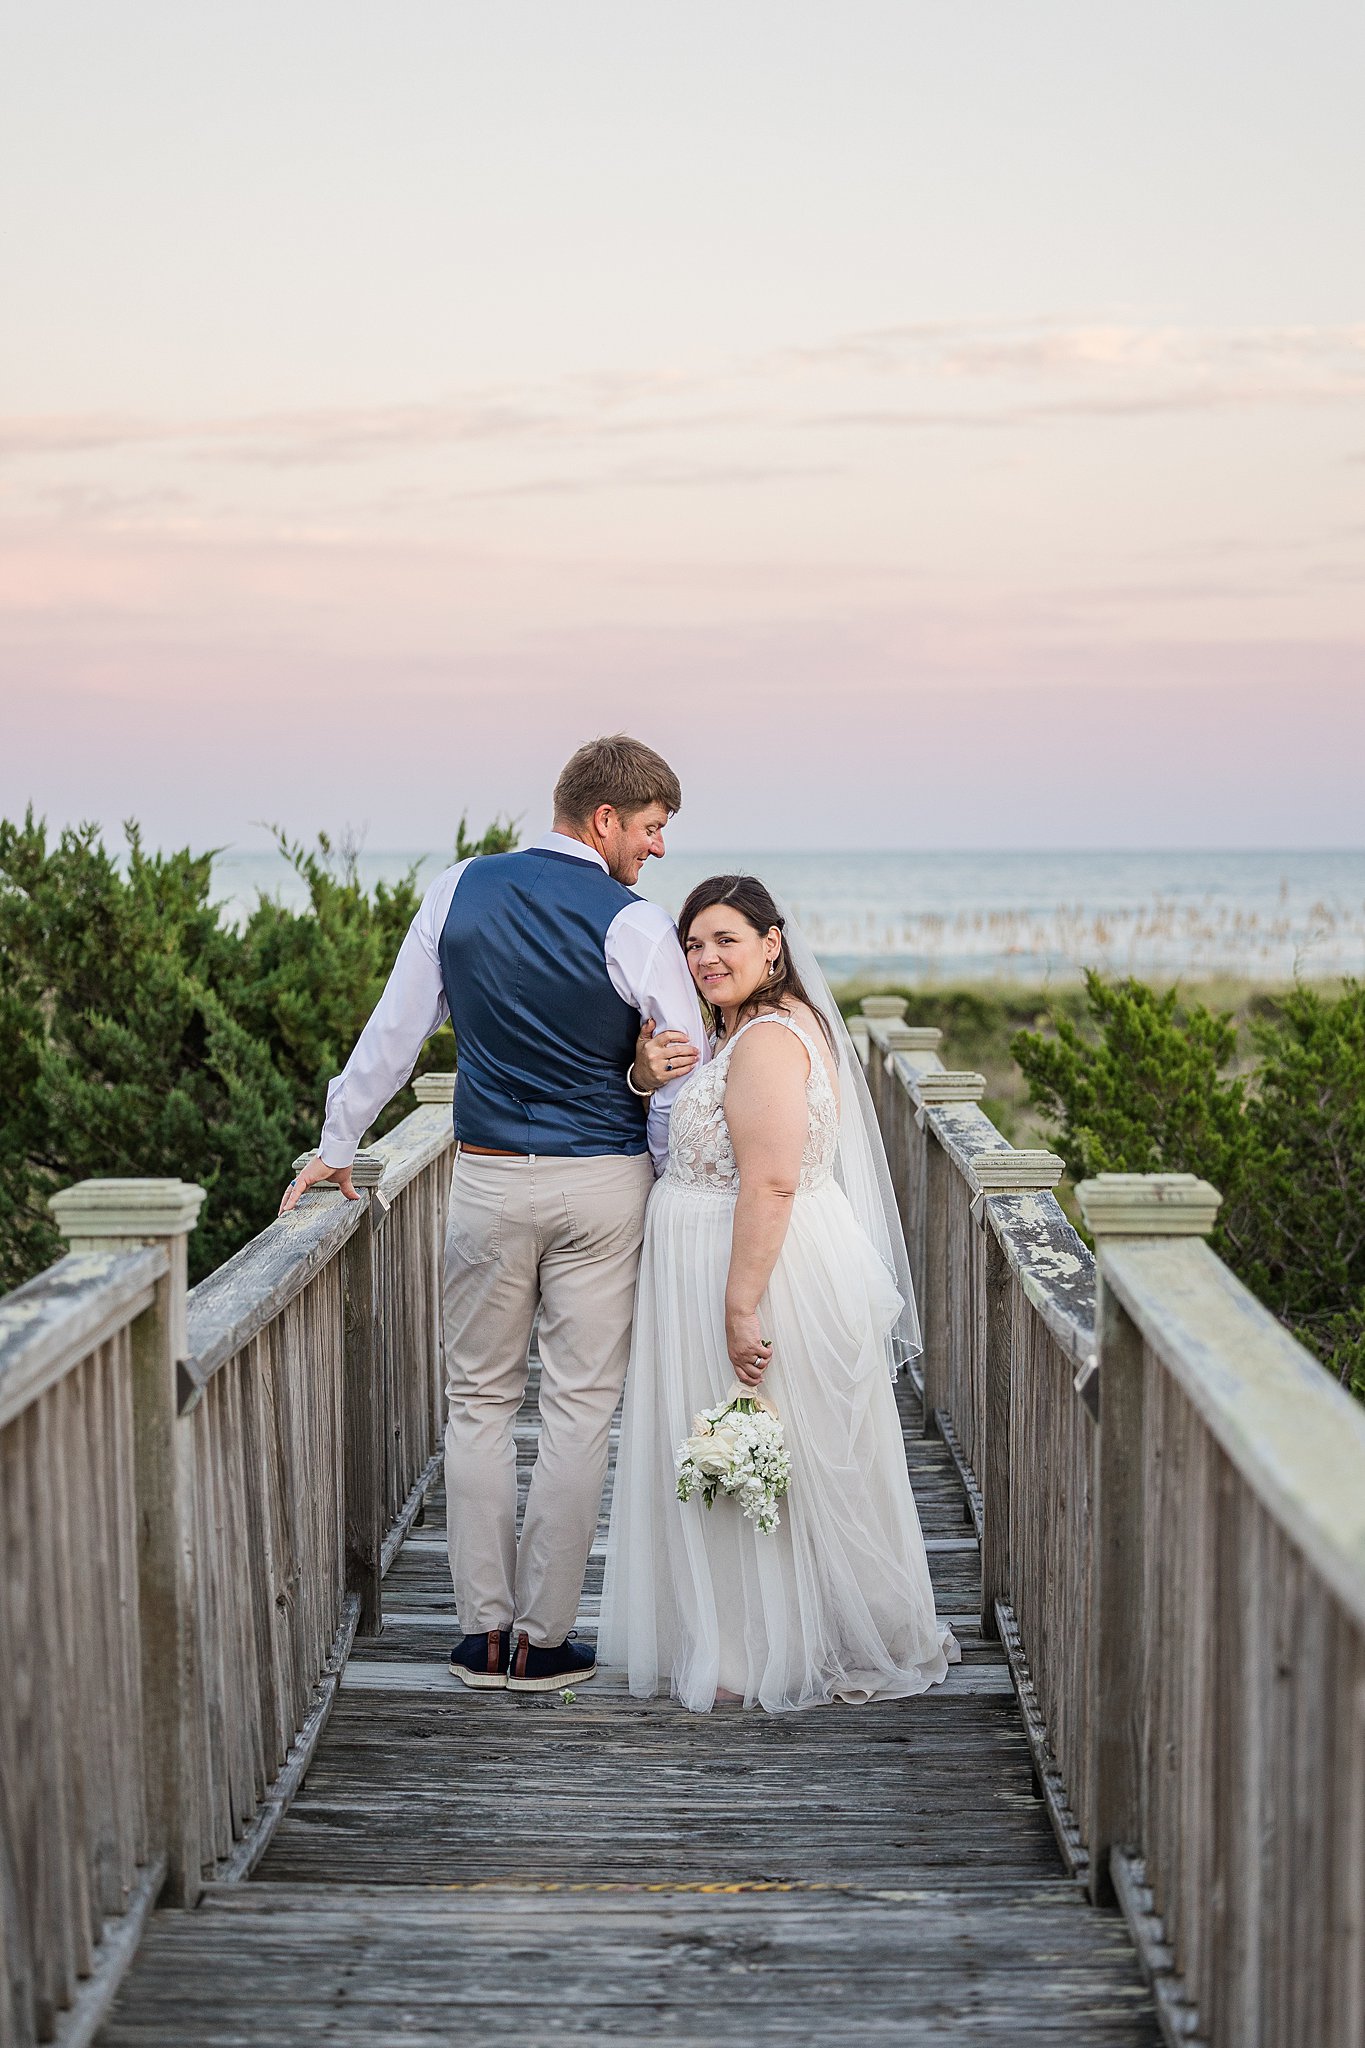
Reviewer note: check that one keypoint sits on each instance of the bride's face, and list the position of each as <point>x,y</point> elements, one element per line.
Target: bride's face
<point>728,958</point>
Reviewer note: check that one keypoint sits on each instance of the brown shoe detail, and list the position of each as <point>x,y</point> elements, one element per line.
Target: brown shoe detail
<point>494,1650</point>
<point>523,1651</point>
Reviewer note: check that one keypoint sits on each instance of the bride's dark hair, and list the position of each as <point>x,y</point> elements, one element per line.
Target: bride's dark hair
<point>757,908</point>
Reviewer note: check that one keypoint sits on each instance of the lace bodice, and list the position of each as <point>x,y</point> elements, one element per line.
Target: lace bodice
<point>700,1154</point>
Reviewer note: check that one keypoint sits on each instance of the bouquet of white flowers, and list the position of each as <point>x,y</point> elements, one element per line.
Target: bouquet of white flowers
<point>737,1448</point>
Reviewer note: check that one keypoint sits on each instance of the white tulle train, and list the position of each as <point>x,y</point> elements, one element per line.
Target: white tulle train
<point>837,1603</point>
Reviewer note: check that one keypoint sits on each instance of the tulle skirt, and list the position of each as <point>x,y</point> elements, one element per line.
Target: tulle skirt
<point>837,1602</point>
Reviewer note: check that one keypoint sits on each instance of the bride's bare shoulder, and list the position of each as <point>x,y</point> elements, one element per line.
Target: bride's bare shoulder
<point>769,1052</point>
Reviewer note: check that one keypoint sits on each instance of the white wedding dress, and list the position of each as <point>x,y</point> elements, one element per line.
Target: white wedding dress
<point>837,1603</point>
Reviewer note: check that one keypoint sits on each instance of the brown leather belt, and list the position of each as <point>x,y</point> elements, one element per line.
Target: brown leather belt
<point>492,1152</point>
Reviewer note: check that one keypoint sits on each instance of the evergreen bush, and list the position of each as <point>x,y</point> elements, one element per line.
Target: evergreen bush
<point>1146,1083</point>
<point>143,1033</point>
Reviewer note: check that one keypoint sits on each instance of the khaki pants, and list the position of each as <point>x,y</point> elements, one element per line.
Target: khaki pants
<point>562,1235</point>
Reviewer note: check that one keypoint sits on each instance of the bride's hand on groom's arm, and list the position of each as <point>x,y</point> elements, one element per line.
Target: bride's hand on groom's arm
<point>661,1057</point>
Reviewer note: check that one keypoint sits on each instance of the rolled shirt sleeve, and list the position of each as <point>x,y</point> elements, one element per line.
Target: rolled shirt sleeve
<point>648,970</point>
<point>412,1006</point>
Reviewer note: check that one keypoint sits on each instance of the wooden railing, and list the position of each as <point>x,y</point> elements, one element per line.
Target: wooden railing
<point>1171,1500</point>
<point>200,1493</point>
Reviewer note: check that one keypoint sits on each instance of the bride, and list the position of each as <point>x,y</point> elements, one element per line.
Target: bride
<point>771,1242</point>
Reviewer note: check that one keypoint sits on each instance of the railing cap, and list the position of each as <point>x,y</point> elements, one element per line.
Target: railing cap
<point>127,1209</point>
<point>1148,1205</point>
<point>434,1087</point>
<point>883,1006</point>
<point>952,1085</point>
<point>912,1037</point>
<point>367,1170</point>
<point>1018,1172</point>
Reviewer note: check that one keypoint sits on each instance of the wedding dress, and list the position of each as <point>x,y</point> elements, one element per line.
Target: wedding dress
<point>836,1603</point>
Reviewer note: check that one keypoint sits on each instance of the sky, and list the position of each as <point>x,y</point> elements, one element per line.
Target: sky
<point>930,426</point>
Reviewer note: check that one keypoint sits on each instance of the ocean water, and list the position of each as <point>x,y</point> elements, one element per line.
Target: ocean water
<point>950,917</point>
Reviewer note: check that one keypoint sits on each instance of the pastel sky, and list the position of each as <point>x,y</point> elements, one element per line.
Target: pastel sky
<point>932,426</point>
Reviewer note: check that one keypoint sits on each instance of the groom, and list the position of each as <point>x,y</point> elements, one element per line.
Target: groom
<point>546,962</point>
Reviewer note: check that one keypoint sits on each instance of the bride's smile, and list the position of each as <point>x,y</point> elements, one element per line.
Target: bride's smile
<point>729,959</point>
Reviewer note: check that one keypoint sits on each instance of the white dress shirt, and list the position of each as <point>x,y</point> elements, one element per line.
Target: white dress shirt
<point>643,960</point>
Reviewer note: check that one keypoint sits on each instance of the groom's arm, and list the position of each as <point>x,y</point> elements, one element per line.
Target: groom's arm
<point>648,970</point>
<point>412,1006</point>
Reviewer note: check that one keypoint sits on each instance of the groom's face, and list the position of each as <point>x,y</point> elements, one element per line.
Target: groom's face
<point>628,842</point>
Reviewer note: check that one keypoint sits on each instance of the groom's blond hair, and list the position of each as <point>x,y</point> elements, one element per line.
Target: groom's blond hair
<point>619,771</point>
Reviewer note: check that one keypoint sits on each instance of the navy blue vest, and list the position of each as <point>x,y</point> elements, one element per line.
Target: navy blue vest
<point>543,1040</point>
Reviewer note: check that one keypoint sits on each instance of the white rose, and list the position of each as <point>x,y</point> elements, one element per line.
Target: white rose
<point>714,1454</point>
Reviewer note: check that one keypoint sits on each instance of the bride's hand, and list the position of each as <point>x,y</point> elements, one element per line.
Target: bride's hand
<point>662,1056</point>
<point>750,1351</point>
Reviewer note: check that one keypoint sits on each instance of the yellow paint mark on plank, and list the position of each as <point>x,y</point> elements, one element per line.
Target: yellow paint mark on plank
<point>533,1884</point>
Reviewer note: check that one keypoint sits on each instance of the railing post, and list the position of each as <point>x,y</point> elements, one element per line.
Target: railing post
<point>933,1283</point>
<point>1001,1174</point>
<point>115,1215</point>
<point>1123,1205</point>
<point>363,1421</point>
<point>920,1041</point>
<point>438,1088</point>
<point>435,1087</point>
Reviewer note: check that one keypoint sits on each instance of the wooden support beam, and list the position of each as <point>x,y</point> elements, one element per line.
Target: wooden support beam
<point>931,1088</point>
<point>933,1304</point>
<point>104,1215</point>
<point>362,1410</point>
<point>1001,1174</point>
<point>1118,1207</point>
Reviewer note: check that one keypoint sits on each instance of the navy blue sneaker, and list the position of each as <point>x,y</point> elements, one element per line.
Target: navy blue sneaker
<point>549,1670</point>
<point>481,1661</point>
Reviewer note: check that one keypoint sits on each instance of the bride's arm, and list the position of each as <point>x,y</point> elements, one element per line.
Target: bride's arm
<point>765,1107</point>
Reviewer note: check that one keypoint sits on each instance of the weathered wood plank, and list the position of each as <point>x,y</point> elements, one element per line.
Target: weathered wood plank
<point>362,1409</point>
<point>1032,1968</point>
<point>1116,1688</point>
<point>1296,1438</point>
<point>253,1288</point>
<point>1055,1271</point>
<point>424,1137</point>
<point>55,1320</point>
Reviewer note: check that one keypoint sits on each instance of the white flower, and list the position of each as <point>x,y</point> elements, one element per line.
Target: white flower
<point>736,1449</point>
<point>715,1455</point>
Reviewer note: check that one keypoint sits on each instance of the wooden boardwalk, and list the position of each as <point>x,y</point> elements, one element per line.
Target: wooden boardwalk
<point>476,1867</point>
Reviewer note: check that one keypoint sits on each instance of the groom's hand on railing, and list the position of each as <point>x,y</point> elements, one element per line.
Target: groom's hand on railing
<point>309,1177</point>
<point>661,1056</point>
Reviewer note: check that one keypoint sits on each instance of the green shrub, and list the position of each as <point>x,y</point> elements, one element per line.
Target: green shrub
<point>122,1044</point>
<point>142,1033</point>
<point>1145,1085</point>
